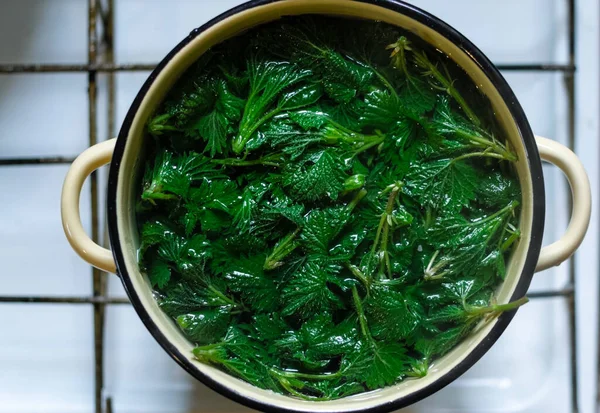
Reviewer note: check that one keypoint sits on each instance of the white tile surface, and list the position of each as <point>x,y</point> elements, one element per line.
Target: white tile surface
<point>46,359</point>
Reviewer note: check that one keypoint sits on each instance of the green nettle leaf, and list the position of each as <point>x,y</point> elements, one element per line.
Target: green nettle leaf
<point>293,141</point>
<point>153,233</point>
<point>172,176</point>
<point>321,174</point>
<point>159,273</point>
<point>402,132</point>
<point>267,80</point>
<point>312,118</point>
<point>268,327</point>
<point>416,98</point>
<point>213,129</point>
<point>305,95</point>
<point>214,126</point>
<point>246,277</point>
<point>211,205</point>
<point>379,364</point>
<point>229,104</point>
<point>464,242</point>
<point>184,298</point>
<point>248,206</point>
<point>206,326</point>
<point>323,212</point>
<point>444,184</point>
<point>308,291</point>
<point>322,226</point>
<point>184,253</point>
<point>382,109</point>
<point>394,316</point>
<point>496,190</point>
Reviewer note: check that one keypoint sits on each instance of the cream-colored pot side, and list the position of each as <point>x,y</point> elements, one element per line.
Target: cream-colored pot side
<point>130,169</point>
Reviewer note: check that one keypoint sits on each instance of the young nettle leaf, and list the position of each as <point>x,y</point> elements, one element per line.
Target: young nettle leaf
<point>335,340</point>
<point>382,109</point>
<point>464,242</point>
<point>379,364</point>
<point>268,327</point>
<point>182,253</point>
<point>205,326</point>
<point>292,141</point>
<point>186,104</point>
<point>190,296</point>
<point>393,315</point>
<point>319,174</point>
<point>278,211</point>
<point>308,291</point>
<point>322,227</point>
<point>211,205</point>
<point>267,80</point>
<point>241,357</point>
<point>311,127</point>
<point>159,273</point>
<point>442,80</point>
<point>310,118</point>
<point>342,77</point>
<point>300,97</point>
<point>154,232</point>
<point>416,98</point>
<point>445,184</point>
<point>213,129</point>
<point>347,114</point>
<point>172,176</point>
<point>246,277</point>
<point>248,206</point>
<point>214,126</point>
<point>453,126</point>
<point>496,190</point>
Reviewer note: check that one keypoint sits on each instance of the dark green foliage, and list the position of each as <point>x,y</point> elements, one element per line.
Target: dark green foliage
<point>318,175</point>
<point>327,207</point>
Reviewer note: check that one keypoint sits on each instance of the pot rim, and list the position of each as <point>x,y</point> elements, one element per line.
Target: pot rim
<point>533,249</point>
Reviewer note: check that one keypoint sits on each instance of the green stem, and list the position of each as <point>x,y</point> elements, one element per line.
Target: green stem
<point>307,376</point>
<point>271,159</point>
<point>358,274</point>
<point>225,298</point>
<point>484,142</point>
<point>153,193</point>
<point>367,146</point>
<point>496,308</point>
<point>511,206</point>
<point>446,84</point>
<point>383,232</point>
<point>281,250</point>
<point>508,243</point>
<point>362,318</point>
<point>357,198</point>
<point>479,154</point>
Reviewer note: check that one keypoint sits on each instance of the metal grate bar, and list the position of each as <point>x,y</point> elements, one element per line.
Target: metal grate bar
<point>564,292</point>
<point>36,161</point>
<point>137,67</point>
<point>63,300</point>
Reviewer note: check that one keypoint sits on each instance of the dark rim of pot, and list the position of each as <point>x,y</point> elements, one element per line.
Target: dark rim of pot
<point>533,159</point>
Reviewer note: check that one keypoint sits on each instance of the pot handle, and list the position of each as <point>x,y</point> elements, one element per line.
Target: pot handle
<point>86,163</point>
<point>561,156</point>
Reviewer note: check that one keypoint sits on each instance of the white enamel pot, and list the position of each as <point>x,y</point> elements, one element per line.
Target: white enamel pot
<point>126,154</point>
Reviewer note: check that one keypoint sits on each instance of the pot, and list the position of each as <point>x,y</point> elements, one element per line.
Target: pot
<point>125,154</point>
